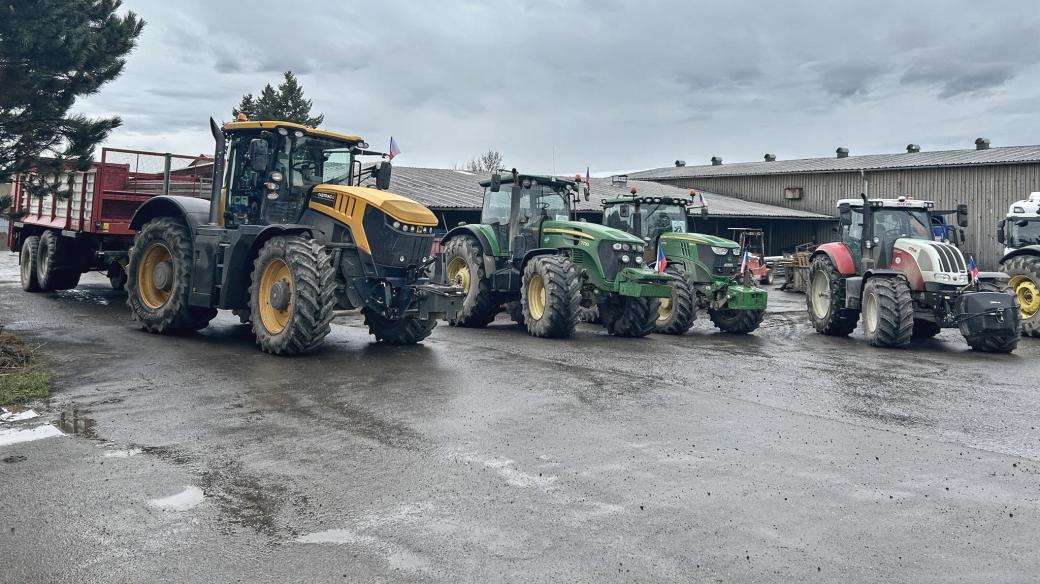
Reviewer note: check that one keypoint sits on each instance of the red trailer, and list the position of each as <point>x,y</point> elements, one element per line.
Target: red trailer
<point>60,239</point>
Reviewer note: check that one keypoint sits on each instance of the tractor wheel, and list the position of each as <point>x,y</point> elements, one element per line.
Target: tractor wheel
<point>516,312</point>
<point>550,294</point>
<point>588,309</point>
<point>464,265</point>
<point>767,280</point>
<point>825,298</point>
<point>925,329</point>
<point>739,322</point>
<point>403,331</point>
<point>292,296</point>
<point>628,316</point>
<point>117,276</point>
<point>55,269</point>
<point>888,312</point>
<point>676,314</point>
<point>159,279</point>
<point>1025,284</point>
<point>27,260</point>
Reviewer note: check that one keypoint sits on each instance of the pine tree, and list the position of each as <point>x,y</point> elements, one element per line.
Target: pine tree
<point>51,53</point>
<point>286,103</point>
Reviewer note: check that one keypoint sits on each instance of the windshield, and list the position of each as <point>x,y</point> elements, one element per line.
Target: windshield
<point>536,201</point>
<point>310,161</point>
<point>658,218</point>
<point>895,223</point>
<point>1022,232</point>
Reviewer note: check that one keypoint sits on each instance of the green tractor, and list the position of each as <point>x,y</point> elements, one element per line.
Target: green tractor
<point>528,255</point>
<point>710,272</point>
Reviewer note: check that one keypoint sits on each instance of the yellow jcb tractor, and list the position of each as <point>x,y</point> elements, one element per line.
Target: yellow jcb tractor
<point>290,234</point>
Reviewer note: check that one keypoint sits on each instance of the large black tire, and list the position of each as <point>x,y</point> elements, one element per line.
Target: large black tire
<point>627,316</point>
<point>676,314</point>
<point>588,309</point>
<point>1025,285</point>
<point>826,304</point>
<point>404,331</point>
<point>56,268</point>
<point>479,307</point>
<point>740,322</point>
<point>117,277</point>
<point>516,312</point>
<point>27,263</point>
<point>163,307</point>
<point>925,329</point>
<point>550,294</point>
<point>888,312</point>
<point>305,272</point>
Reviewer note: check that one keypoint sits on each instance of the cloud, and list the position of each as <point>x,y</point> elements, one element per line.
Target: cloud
<point>605,84</point>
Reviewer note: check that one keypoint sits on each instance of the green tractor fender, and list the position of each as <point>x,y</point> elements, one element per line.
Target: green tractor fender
<point>483,235</point>
<point>540,251</point>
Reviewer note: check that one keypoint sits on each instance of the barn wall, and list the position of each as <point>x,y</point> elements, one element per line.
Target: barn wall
<point>988,191</point>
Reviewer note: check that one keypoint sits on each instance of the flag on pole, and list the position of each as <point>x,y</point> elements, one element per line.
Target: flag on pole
<point>701,196</point>
<point>394,150</point>
<point>662,262</point>
<point>973,269</point>
<point>744,262</point>
<point>588,180</point>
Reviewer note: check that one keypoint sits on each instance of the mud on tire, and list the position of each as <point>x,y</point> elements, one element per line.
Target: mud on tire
<point>479,307</point>
<point>516,312</point>
<point>676,316</point>
<point>173,314</point>
<point>27,263</point>
<point>827,307</point>
<point>628,316</point>
<point>403,331</point>
<point>312,296</point>
<point>554,312</point>
<point>888,312</point>
<point>925,329</point>
<point>740,322</point>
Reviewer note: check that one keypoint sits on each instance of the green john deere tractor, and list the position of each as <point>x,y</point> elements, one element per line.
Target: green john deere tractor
<point>528,255</point>
<point>707,269</point>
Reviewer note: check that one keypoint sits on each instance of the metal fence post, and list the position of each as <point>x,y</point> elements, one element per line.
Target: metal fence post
<point>166,175</point>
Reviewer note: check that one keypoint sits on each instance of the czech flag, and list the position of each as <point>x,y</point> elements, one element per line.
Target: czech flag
<point>744,262</point>
<point>662,262</point>
<point>394,150</point>
<point>588,180</point>
<point>703,204</point>
<point>973,269</point>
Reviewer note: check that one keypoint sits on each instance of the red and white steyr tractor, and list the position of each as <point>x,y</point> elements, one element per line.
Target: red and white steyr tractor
<point>889,265</point>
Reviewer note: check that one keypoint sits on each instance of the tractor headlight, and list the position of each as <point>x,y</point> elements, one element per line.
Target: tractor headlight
<point>639,259</point>
<point>639,248</point>
<point>942,277</point>
<point>276,177</point>
<point>625,259</point>
<point>397,224</point>
<point>626,247</point>
<point>616,247</point>
<point>736,251</point>
<point>720,250</point>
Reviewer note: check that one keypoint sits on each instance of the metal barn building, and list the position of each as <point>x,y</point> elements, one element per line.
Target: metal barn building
<point>456,195</point>
<point>987,179</point>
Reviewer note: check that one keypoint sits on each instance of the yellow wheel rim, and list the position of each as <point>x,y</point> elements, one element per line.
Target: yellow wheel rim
<point>536,297</point>
<point>458,272</point>
<point>1028,295</point>
<point>275,319</point>
<point>154,294</point>
<point>665,311</point>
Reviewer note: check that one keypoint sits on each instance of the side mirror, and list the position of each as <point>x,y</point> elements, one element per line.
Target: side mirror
<point>258,154</point>
<point>1000,230</point>
<point>625,211</point>
<point>962,215</point>
<point>704,212</point>
<point>586,192</point>
<point>496,182</point>
<point>845,214</point>
<point>382,174</point>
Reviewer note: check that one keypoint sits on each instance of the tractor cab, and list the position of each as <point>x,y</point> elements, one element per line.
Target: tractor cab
<point>647,217</point>
<point>870,229</point>
<point>518,206</point>
<point>274,167</point>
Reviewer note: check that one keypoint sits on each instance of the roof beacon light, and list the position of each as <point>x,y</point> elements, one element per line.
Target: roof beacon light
<point>242,117</point>
<point>577,178</point>
<point>633,190</point>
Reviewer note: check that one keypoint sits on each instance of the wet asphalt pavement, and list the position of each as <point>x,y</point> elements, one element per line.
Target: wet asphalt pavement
<point>488,455</point>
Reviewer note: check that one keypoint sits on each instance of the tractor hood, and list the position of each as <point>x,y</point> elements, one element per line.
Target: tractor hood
<point>401,208</point>
<point>924,260</point>
<point>701,239</point>
<point>591,230</point>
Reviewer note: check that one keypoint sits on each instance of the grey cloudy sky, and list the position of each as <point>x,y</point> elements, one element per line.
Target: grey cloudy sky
<point>616,85</point>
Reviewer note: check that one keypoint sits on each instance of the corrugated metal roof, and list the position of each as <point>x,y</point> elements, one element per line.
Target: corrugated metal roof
<point>442,188</point>
<point>941,158</point>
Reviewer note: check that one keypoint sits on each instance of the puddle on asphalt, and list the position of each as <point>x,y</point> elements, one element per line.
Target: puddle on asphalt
<point>190,497</point>
<point>75,423</point>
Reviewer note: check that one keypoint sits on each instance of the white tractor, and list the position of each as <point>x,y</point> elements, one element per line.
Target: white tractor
<point>1020,234</point>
